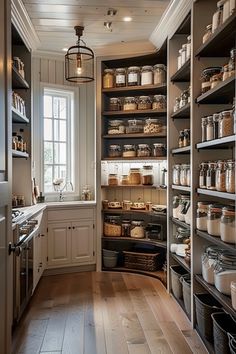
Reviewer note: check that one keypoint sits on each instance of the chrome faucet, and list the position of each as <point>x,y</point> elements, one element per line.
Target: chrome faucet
<point>61,196</point>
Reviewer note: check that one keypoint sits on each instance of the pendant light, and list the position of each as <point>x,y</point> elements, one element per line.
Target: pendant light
<point>79,61</point>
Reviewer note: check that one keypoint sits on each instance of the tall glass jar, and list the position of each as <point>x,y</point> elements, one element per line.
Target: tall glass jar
<point>211,176</point>
<point>135,176</point>
<point>184,206</point>
<point>108,78</point>
<point>216,117</point>
<point>204,129</point>
<point>143,150</point>
<point>147,176</point>
<point>120,77</point>
<point>188,49</point>
<point>183,54</point>
<point>207,34</point>
<point>226,124</point>
<point>159,74</point>
<point>220,176</point>
<point>125,228</point>
<point>213,219</point>
<point>146,75</point>
<point>227,225</point>
<point>210,128</point>
<point>137,229</point>
<point>230,177</point>
<point>203,175</point>
<point>201,219</point>
<point>133,76</point>
<point>176,174</point>
<point>186,140</point>
<point>179,60</point>
<point>112,226</point>
<point>217,18</point>
<point>184,175</point>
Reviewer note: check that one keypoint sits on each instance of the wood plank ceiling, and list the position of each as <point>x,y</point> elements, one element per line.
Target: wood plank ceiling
<point>54,21</point>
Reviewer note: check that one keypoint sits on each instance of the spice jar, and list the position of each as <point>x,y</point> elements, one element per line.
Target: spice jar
<point>209,128</point>
<point>146,75</point>
<point>137,229</point>
<point>226,124</point>
<point>125,228</point>
<point>206,76</point>
<point>217,18</point>
<point>209,259</point>
<point>215,80</point>
<point>211,176</point>
<point>114,104</point>
<point>201,219</point>
<point>232,61</point>
<point>144,102</point>
<point>207,33</point>
<point>159,74</point>
<point>213,219</point>
<point>133,76</point>
<point>143,150</point>
<point>147,176</point>
<point>114,151</point>
<point>124,180</point>
<point>220,176</point>
<point>113,179</point>
<point>203,175</point>
<point>135,126</point>
<point>159,150</point>
<point>159,102</point>
<point>134,176</point>
<point>152,126</point>
<point>188,49</point>
<point>204,128</point>
<point>112,226</point>
<point>116,127</point>
<point>108,78</point>
<point>227,225</point>
<point>120,77</point>
<point>129,151</point>
<point>185,175</point>
<point>186,137</point>
<point>216,117</point>
<point>230,177</point>
<point>130,104</point>
<point>176,206</point>
<point>176,174</point>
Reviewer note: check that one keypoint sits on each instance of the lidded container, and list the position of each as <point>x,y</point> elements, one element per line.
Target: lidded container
<point>120,77</point>
<point>129,150</point>
<point>113,179</point>
<point>14,141</point>
<point>147,75</point>
<point>213,219</point>
<point>226,124</point>
<point>159,74</point>
<point>124,180</point>
<point>183,54</point>
<point>227,225</point>
<point>114,150</point>
<point>143,150</point>
<point>201,219</point>
<point>220,176</point>
<point>217,18</point>
<point>186,137</point>
<point>184,206</point>
<point>116,127</point>
<point>176,174</point>
<point>114,104</point>
<point>207,34</point>
<point>135,126</point>
<point>159,102</point>
<point>147,175</point>
<point>137,229</point>
<point>210,128</point>
<point>130,104</point>
<point>185,175</point>
<point>179,60</point>
<point>133,76</point>
<point>209,259</point>
<point>206,77</point>
<point>182,233</point>
<point>159,150</point>
<point>108,78</point>
<point>216,117</point>
<point>144,102</point>
<point>135,176</point>
<point>211,176</point>
<point>203,175</point>
<point>225,272</point>
<point>188,49</point>
<point>112,226</point>
<point>204,128</point>
<point>152,125</point>
<point>230,176</point>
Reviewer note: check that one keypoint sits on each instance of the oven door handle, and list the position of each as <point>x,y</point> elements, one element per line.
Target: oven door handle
<point>14,248</point>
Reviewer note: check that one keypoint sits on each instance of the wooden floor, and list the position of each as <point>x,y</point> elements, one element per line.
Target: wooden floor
<point>99,313</point>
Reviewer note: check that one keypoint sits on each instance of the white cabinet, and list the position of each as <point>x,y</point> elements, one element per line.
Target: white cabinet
<point>82,242</point>
<point>40,248</point>
<point>59,244</point>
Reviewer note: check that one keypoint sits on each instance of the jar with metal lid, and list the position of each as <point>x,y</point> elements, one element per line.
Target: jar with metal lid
<point>116,127</point>
<point>143,150</point>
<point>124,180</point>
<point>209,259</point>
<point>133,76</point>
<point>177,104</point>
<point>125,228</point>
<point>220,176</point>
<point>201,219</point>
<point>203,175</point>
<point>159,74</point>
<point>135,126</point>
<point>146,75</point>
<point>147,175</point>
<point>114,104</point>
<point>176,174</point>
<point>135,176</point>
<point>225,272</point>
<point>176,206</point>
<point>129,151</point>
<point>184,98</point>
<point>159,102</point>
<point>217,18</point>
<point>213,219</point>
<point>186,137</point>
<point>130,104</point>
<point>144,102</point>
<point>204,128</point>
<point>226,124</point>
<point>232,62</point>
<point>184,206</point>
<point>120,77</point>
<point>183,54</point>
<point>159,150</point>
<point>152,126</point>
<point>209,128</point>
<point>207,34</point>
<point>114,150</point>
<point>108,78</point>
<point>206,77</point>
<point>215,80</point>
<point>216,117</point>
<point>113,179</point>
<point>227,225</point>
<point>184,178</point>
<point>188,49</point>
<point>137,229</point>
<point>211,176</point>
<point>230,176</point>
<point>182,234</point>
<point>112,226</point>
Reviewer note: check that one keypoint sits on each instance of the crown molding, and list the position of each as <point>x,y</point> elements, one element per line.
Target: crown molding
<point>23,24</point>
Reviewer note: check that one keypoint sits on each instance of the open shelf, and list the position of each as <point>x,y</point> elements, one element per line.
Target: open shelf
<point>181,188</point>
<point>182,113</point>
<point>226,142</point>
<point>160,274</point>
<point>136,90</point>
<point>181,261</point>
<point>208,345</point>
<point>181,304</point>
<point>224,300</point>
<point>133,136</point>
<point>17,117</point>
<point>140,112</point>
<point>216,240</point>
<point>136,240</point>
<point>216,194</point>
<point>134,158</point>
<point>18,82</point>
<point>221,94</point>
<point>133,211</point>
<point>183,74</point>
<point>183,150</point>
<point>180,223</point>
<point>134,186</point>
<point>20,154</point>
<point>221,41</point>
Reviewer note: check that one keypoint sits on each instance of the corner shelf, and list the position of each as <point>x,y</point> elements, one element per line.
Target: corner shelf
<point>226,142</point>
<point>221,94</point>
<point>133,136</point>
<point>217,194</point>
<point>181,261</point>
<point>180,223</point>
<point>132,211</point>
<point>182,113</point>
<point>216,240</point>
<point>181,188</point>
<point>183,74</point>
<point>17,117</point>
<point>134,158</point>
<point>140,112</point>
<point>156,274</point>
<point>157,188</point>
<point>19,154</point>
<point>18,82</point>
<point>136,240</point>
<point>183,150</point>
<point>224,300</point>
<point>136,90</point>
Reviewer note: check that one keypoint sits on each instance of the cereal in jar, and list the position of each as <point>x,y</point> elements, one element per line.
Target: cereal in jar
<point>116,127</point>
<point>129,150</point>
<point>135,176</point>
<point>130,104</point>
<point>159,74</point>
<point>226,124</point>
<point>144,102</point>
<point>108,78</point>
<point>152,126</point>
<point>133,76</point>
<point>143,150</point>
<point>120,77</point>
<point>159,102</point>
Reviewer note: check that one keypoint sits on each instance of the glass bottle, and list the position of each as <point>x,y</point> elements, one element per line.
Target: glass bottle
<point>209,128</point>
<point>226,124</point>
<point>159,74</point>
<point>220,176</point>
<point>203,175</point>
<point>176,174</point>
<point>230,177</point>
<point>216,117</point>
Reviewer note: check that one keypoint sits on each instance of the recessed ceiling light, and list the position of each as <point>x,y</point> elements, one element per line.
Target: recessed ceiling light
<point>64,49</point>
<point>127,18</point>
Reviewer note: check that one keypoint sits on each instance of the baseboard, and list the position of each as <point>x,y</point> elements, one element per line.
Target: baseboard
<point>74,269</point>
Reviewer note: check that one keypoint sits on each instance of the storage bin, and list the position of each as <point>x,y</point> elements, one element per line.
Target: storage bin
<point>176,272</point>
<point>110,258</point>
<point>205,306</point>
<point>109,253</point>
<point>142,260</point>
<point>223,324</point>
<point>186,283</point>
<point>233,294</point>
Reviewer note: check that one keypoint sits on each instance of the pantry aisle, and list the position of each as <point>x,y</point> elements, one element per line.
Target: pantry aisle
<point>104,313</point>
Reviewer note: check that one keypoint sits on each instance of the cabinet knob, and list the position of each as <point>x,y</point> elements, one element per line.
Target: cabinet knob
<point>42,235</point>
<point>69,227</point>
<point>73,227</point>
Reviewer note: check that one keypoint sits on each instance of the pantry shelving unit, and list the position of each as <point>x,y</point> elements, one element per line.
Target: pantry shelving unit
<point>182,113</point>
<point>216,240</point>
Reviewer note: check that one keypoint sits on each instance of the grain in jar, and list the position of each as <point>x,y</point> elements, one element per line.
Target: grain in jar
<point>114,150</point>
<point>108,78</point>
<point>159,74</point>
<point>135,176</point>
<point>227,225</point>
<point>133,76</point>
<point>230,176</point>
<point>129,150</point>
<point>213,219</point>
<point>201,219</point>
<point>226,124</point>
<point>206,77</point>
<point>124,180</point>
<point>152,126</point>
<point>116,127</point>
<point>112,226</point>
<point>220,176</point>
<point>147,176</point>
<point>146,75</point>
<point>137,229</point>
<point>144,102</point>
<point>130,104</point>
<point>159,150</point>
<point>143,150</point>
<point>113,179</point>
<point>159,102</point>
<point>114,104</point>
<point>120,77</point>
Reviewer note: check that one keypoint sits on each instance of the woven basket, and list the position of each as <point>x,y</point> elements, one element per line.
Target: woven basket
<point>142,261</point>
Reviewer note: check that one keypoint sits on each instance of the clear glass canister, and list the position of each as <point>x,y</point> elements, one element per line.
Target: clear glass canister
<point>204,129</point>
<point>226,124</point>
<point>201,219</point>
<point>108,78</point>
<point>159,74</point>
<point>130,104</point>
<point>220,176</point>
<point>213,219</point>
<point>152,126</point>
<point>135,126</point>
<point>184,175</point>
<point>184,98</point>
<point>209,128</point>
<point>116,127</point>
<point>176,174</point>
<point>114,104</point>
<point>177,104</point>
<point>112,226</point>
<point>147,176</point>
<point>135,176</point>
<point>206,77</point>
<point>143,150</point>
<point>129,151</point>
<point>182,234</point>
<point>181,139</point>
<point>230,176</point>
<point>232,61</point>
<point>209,259</point>
<point>120,77</point>
<point>137,229</point>
<point>113,179</point>
<point>211,176</point>
<point>133,76</point>
<point>184,206</point>
<point>159,102</point>
<point>159,150</point>
<point>125,228</point>
<point>176,206</point>
<point>179,60</point>
<point>207,33</point>
<point>114,150</point>
<point>147,75</point>
<point>124,180</point>
<point>216,117</point>
<point>203,175</point>
<point>217,18</point>
<point>227,225</point>
<point>14,141</point>
<point>144,102</point>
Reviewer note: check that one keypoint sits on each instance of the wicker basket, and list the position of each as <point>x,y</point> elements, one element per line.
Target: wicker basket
<point>142,261</point>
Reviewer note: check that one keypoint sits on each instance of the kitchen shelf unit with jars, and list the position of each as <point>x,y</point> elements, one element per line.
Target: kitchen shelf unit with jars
<point>132,154</point>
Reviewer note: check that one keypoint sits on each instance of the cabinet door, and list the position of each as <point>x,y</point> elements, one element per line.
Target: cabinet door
<point>82,242</point>
<point>37,259</point>
<point>59,244</point>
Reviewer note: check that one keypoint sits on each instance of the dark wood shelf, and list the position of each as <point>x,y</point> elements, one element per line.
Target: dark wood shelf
<point>17,117</point>
<point>133,136</point>
<point>221,41</point>
<point>216,194</point>
<point>140,112</point>
<point>160,274</point>
<point>223,93</point>
<point>134,158</point>
<point>183,150</point>
<point>134,186</point>
<point>19,154</point>
<point>181,304</point>
<point>18,82</point>
<point>181,188</point>
<point>208,345</point>
<point>136,90</point>
<point>216,240</point>
<point>183,74</point>
<point>133,211</point>
<point>182,113</point>
<point>180,223</point>
<point>181,261</point>
<point>136,240</point>
<point>224,300</point>
<point>222,143</point>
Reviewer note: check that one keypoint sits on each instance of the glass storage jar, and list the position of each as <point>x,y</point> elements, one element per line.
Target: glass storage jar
<point>209,259</point>
<point>179,59</point>
<point>143,150</point>
<point>215,80</point>
<point>183,54</point>
<point>188,49</point>
<point>152,126</point>
<point>176,206</point>
<point>112,226</point>
<point>146,75</point>
<point>209,128</point>
<point>137,229</point>
<point>144,102</point>
<point>216,117</point>
<point>116,127</point>
<point>108,78</point>
<point>186,137</point>
<point>133,76</point>
<point>211,176</point>
<point>125,228</point>
<point>220,176</point>
<point>207,33</point>
<point>130,104</point>
<point>184,206</point>
<point>176,174</point>
<point>135,176</point>
<point>225,272</point>
<point>184,98</point>
<point>217,18</point>
<point>225,72</point>
<point>227,225</point>
<point>230,177</point>
<point>232,61</point>
<point>120,77</point>
<point>159,102</point>
<point>226,124</point>
<point>129,151</point>
<point>20,200</point>
<point>206,77</point>
<point>181,139</point>
<point>114,150</point>
<point>201,219</point>
<point>113,179</point>
<point>135,126</point>
<point>159,74</point>
<point>159,150</point>
<point>124,180</point>
<point>204,128</point>
<point>184,175</point>
<point>213,219</point>
<point>114,104</point>
<point>14,141</point>
<point>182,234</point>
<point>147,176</point>
<point>177,104</point>
<point>126,204</point>
<point>203,175</point>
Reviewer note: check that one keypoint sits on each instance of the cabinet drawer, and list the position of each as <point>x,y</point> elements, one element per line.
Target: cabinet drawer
<point>70,214</point>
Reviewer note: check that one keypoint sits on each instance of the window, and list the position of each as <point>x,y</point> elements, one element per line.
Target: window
<point>57,137</point>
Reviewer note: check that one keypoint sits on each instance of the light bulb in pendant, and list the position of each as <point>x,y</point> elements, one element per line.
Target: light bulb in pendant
<point>79,68</point>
